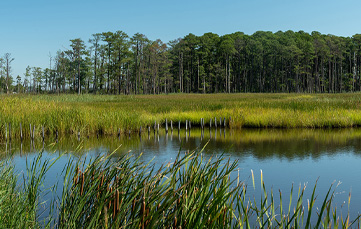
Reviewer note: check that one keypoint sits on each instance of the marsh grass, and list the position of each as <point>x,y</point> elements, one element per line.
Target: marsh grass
<point>106,114</point>
<point>20,205</point>
<point>191,191</point>
<point>127,193</point>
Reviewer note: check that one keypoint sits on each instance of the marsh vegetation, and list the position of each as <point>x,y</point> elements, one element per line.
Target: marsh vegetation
<point>190,191</point>
<point>109,115</point>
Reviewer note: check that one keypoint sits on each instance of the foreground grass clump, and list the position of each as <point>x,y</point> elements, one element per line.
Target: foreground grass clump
<point>12,207</point>
<point>109,114</point>
<point>123,192</point>
<point>127,193</point>
<point>20,206</point>
<point>191,192</point>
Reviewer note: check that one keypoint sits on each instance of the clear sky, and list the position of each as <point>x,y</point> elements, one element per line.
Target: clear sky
<point>30,30</point>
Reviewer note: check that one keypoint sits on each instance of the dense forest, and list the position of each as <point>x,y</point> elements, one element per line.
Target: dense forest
<point>115,63</point>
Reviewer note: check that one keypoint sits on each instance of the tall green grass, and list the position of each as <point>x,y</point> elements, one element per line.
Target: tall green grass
<point>109,192</point>
<point>106,114</point>
<point>20,206</point>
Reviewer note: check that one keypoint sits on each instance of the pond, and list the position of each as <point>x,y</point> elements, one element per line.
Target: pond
<point>286,157</point>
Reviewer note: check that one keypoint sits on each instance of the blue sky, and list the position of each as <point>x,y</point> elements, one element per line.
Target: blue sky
<point>30,30</point>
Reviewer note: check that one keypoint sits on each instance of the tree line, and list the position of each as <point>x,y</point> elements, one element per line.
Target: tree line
<point>114,63</point>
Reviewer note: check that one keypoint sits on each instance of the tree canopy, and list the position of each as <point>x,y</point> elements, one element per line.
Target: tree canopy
<point>114,63</point>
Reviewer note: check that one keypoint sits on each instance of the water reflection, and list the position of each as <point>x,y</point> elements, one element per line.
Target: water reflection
<point>260,143</point>
<point>285,155</point>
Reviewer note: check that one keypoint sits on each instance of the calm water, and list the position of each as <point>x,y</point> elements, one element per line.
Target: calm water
<point>286,157</point>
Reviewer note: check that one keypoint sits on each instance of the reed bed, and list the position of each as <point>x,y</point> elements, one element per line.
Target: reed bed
<point>20,207</point>
<point>110,115</point>
<point>191,191</point>
<point>127,193</point>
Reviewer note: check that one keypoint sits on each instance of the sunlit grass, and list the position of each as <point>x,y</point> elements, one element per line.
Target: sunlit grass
<point>106,114</point>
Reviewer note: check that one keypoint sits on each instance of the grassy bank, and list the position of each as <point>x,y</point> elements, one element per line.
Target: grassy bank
<point>188,192</point>
<point>106,114</point>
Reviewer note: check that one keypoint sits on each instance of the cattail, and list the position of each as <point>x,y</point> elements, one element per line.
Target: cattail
<point>115,205</point>
<point>75,181</point>
<point>82,184</point>
<point>133,207</point>
<point>117,192</point>
<point>121,201</point>
<point>116,181</point>
<point>102,180</point>
<point>100,184</point>
<point>143,212</point>
<point>105,215</point>
<point>110,201</point>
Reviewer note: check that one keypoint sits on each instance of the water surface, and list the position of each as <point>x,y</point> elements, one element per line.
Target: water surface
<point>286,157</point>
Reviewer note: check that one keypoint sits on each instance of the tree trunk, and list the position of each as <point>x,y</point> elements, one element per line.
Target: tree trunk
<point>79,86</point>
<point>181,72</point>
